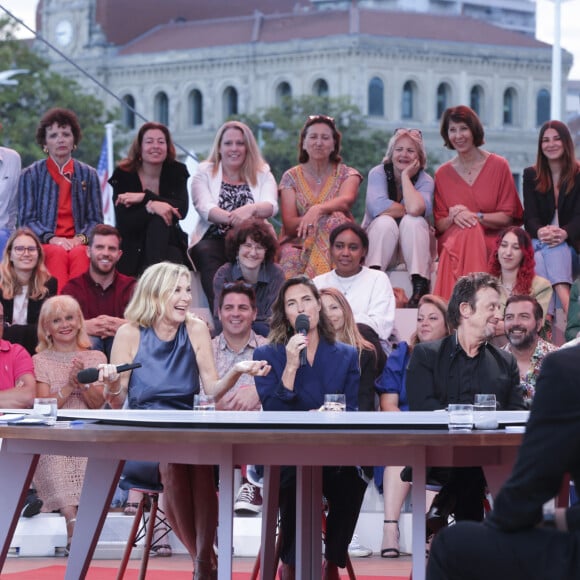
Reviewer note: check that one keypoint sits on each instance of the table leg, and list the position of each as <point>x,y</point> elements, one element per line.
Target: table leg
<point>226,516</point>
<point>101,477</point>
<point>304,523</point>
<point>316,526</point>
<point>418,500</point>
<point>270,493</point>
<point>16,471</point>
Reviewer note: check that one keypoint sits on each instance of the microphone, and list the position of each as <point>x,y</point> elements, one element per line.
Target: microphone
<point>302,325</point>
<point>90,375</point>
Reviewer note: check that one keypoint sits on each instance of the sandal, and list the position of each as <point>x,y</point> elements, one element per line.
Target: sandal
<point>161,551</point>
<point>130,508</point>
<point>204,570</point>
<point>391,552</point>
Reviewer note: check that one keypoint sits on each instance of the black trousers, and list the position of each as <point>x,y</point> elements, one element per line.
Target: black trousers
<point>344,490</point>
<point>476,551</point>
<point>208,256</point>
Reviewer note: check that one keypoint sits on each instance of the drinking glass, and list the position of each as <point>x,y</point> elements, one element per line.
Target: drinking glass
<point>46,409</point>
<point>335,402</point>
<point>460,417</point>
<point>203,403</point>
<point>484,412</point>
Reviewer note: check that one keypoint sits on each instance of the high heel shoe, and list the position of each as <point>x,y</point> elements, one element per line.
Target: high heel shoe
<point>391,552</point>
<point>204,570</point>
<point>438,514</point>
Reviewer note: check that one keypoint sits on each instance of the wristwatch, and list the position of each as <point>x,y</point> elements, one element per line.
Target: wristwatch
<point>480,216</point>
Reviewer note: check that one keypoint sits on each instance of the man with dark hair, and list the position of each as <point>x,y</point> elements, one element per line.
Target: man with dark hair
<point>523,318</point>
<point>102,292</point>
<point>237,342</point>
<point>453,370</point>
<point>520,539</point>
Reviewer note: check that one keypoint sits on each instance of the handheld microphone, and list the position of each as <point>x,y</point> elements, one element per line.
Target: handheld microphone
<point>90,375</point>
<point>302,326</point>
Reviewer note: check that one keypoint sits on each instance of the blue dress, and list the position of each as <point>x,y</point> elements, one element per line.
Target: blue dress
<point>169,375</point>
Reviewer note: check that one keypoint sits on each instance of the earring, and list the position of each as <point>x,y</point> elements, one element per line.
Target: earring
<point>75,147</point>
<point>45,149</point>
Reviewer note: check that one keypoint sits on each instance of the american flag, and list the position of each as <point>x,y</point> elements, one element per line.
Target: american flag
<point>106,189</point>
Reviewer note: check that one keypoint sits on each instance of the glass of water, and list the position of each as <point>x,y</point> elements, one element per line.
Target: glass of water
<point>484,412</point>
<point>46,409</point>
<point>335,402</point>
<point>203,402</point>
<point>460,417</point>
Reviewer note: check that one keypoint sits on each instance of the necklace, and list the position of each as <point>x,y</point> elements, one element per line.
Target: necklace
<point>345,288</point>
<point>317,178</point>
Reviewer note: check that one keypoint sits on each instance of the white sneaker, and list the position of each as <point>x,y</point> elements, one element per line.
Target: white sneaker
<point>249,500</point>
<point>357,550</point>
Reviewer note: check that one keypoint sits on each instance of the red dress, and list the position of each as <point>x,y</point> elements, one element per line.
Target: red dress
<point>462,251</point>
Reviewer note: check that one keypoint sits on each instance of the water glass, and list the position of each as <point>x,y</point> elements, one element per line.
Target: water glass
<point>335,402</point>
<point>484,412</point>
<point>460,417</point>
<point>46,409</point>
<point>203,403</point>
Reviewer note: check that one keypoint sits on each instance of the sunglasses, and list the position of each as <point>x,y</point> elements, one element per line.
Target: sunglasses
<point>239,284</point>
<point>321,117</point>
<point>416,132</point>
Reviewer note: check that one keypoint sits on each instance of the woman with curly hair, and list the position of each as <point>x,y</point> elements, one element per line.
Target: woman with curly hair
<point>513,264</point>
<point>25,283</point>
<point>251,250</point>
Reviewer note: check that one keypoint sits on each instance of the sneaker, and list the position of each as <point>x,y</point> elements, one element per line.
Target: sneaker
<point>357,550</point>
<point>248,501</point>
<point>32,505</point>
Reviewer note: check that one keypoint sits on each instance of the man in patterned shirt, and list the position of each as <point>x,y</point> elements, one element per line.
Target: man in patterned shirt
<point>523,320</point>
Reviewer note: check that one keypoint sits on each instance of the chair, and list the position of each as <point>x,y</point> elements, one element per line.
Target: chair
<point>144,525</point>
<point>256,569</point>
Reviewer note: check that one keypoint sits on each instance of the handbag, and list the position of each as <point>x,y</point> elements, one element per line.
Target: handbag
<point>143,474</point>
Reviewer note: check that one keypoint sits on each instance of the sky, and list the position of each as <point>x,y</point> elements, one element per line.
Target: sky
<point>570,29</point>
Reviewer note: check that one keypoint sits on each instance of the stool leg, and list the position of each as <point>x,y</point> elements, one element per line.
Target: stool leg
<point>150,525</point>
<point>131,539</point>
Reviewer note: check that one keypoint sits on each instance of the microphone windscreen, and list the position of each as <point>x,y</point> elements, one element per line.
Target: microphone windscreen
<point>302,324</point>
<point>88,375</point>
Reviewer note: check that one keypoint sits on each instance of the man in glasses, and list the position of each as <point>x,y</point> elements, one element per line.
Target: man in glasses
<point>237,342</point>
<point>10,166</point>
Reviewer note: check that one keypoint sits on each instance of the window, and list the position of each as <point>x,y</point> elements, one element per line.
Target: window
<point>376,97</point>
<point>161,108</point>
<point>128,112</point>
<point>230,102</point>
<point>443,99</point>
<point>543,107</point>
<point>509,105</point>
<point>283,92</point>
<point>320,88</point>
<point>195,108</point>
<point>476,100</point>
<point>408,104</point>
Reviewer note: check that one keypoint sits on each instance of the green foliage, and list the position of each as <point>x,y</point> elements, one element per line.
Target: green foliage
<point>361,147</point>
<point>22,105</point>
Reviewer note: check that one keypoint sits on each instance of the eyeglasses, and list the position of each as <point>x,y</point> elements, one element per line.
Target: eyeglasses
<point>249,246</point>
<point>416,132</point>
<point>238,284</point>
<point>321,117</point>
<point>23,249</point>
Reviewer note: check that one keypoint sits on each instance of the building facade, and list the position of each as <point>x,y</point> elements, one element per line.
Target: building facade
<point>189,67</point>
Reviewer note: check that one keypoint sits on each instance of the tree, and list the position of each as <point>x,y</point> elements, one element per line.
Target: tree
<point>361,148</point>
<point>22,105</point>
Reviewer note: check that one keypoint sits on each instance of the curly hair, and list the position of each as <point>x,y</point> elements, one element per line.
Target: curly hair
<point>527,268</point>
<point>280,329</point>
<point>133,161</point>
<point>257,230</point>
<point>39,276</point>
<point>63,118</point>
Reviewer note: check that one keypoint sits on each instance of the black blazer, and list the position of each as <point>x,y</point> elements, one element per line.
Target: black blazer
<point>132,221</point>
<point>539,208</point>
<point>25,334</point>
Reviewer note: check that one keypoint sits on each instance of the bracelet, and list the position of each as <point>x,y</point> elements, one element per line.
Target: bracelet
<point>60,395</point>
<point>111,394</point>
<point>148,207</point>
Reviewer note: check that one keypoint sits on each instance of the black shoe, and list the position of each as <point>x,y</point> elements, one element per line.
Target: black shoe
<point>32,505</point>
<point>420,288</point>
<point>438,514</point>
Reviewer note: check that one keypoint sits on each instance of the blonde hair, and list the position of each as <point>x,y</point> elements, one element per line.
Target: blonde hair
<point>152,292</point>
<point>441,305</point>
<point>39,276</point>
<point>253,163</point>
<point>51,308</point>
<point>416,137</point>
<point>350,333</point>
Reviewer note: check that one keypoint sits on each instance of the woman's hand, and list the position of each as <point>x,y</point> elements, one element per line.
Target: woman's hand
<point>76,367</point>
<point>164,210</point>
<point>108,373</point>
<point>293,349</point>
<point>552,235</point>
<point>255,368</point>
<point>65,243</point>
<point>411,170</point>
<point>465,219</point>
<point>240,214</point>
<point>130,198</point>
<point>309,221</point>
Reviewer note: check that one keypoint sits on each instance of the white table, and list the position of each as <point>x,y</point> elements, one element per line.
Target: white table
<point>305,439</point>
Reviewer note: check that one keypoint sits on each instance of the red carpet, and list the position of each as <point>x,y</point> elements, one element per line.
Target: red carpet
<point>96,573</point>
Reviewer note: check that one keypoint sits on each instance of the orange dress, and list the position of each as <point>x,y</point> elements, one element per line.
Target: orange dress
<point>462,251</point>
